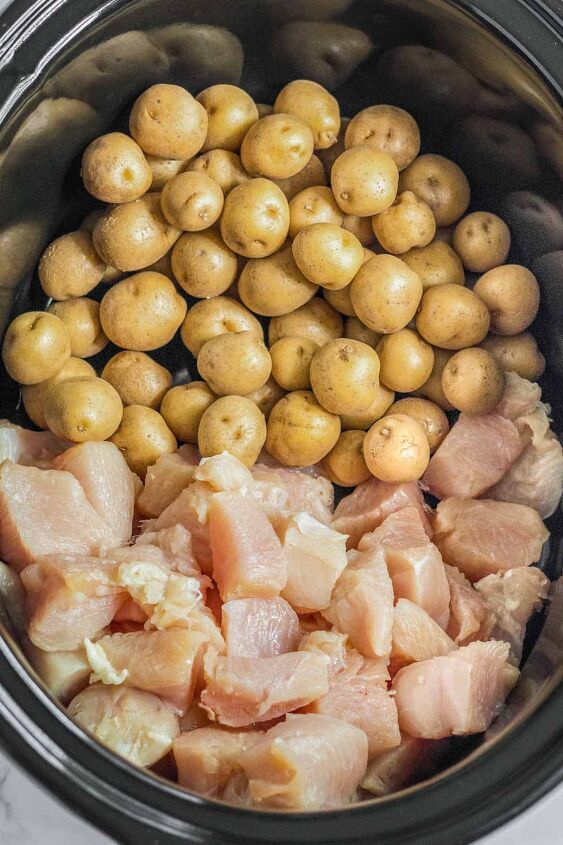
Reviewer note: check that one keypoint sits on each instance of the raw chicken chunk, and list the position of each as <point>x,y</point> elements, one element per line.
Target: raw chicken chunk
<point>134,724</point>
<point>243,690</point>
<point>416,636</point>
<point>166,479</point>
<point>470,618</point>
<point>175,543</point>
<point>64,673</point>
<point>224,473</point>
<point>399,767</point>
<point>333,645</point>
<point>191,510</point>
<point>454,695</point>
<point>482,537</point>
<point>371,502</point>
<point>295,491</point>
<point>259,627</point>
<point>207,758</point>
<point>30,448</point>
<point>520,397</point>
<point>308,762</point>
<point>248,559</point>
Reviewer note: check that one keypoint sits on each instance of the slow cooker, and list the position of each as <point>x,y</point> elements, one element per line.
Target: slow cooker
<point>485,82</point>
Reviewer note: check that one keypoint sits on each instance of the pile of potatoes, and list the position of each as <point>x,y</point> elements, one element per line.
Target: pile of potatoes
<point>353,245</point>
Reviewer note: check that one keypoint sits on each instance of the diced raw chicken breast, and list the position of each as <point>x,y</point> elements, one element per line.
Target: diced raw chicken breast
<point>414,563</point>
<point>207,758</point>
<point>316,557</point>
<point>44,512</point>
<point>482,537</point>
<point>416,636</point>
<point>248,559</point>
<point>333,645</point>
<point>243,690</point>
<point>194,717</point>
<point>166,479</point>
<point>130,611</point>
<point>470,618</point>
<point>362,602</point>
<point>512,597</point>
<point>191,510</point>
<point>30,448</point>
<point>166,663</point>
<point>371,502</point>
<point>308,762</point>
<point>402,766</point>
<point>536,477</point>
<point>176,545</point>
<point>259,627</point>
<point>302,491</point>
<point>454,695</point>
<point>64,673</point>
<point>520,397</point>
<point>134,724</point>
<point>224,473</point>
<point>107,481</point>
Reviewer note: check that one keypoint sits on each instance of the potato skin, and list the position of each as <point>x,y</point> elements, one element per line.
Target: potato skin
<point>82,318</point>
<point>316,320</point>
<point>114,169</point>
<point>386,293</point>
<point>266,396</point>
<point>230,114</point>
<point>512,295</point>
<point>70,266</point>
<point>215,316</point>
<point>300,431</point>
<point>428,415</point>
<point>314,105</point>
<point>192,201</point>
<point>355,329</point>
<point>328,255</point>
<point>386,128</point>
<point>436,264</point>
<point>345,376</point>
<point>408,223</point>
<point>143,437</point>
<point>203,265</point>
<point>363,420</point>
<point>406,361</point>
<point>432,387</point>
<point>517,353</point>
<point>473,381</point>
<point>312,175</point>
<point>396,449</point>
<point>163,170</point>
<point>234,363</point>
<point>183,406</point>
<point>345,463</point>
<point>138,379</point>
<point>166,121</point>
<point>277,147</point>
<point>142,312</point>
<point>482,241</point>
<point>275,285</point>
<point>255,219</point>
<point>341,301</point>
<point>441,184</point>
<point>232,424</point>
<point>83,408</point>
<point>223,167</point>
<point>34,395</point>
<point>35,347</point>
<point>452,317</point>
<point>291,362</point>
<point>313,205</point>
<point>364,180</point>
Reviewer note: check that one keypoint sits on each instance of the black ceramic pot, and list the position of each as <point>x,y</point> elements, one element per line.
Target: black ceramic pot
<point>489,98</point>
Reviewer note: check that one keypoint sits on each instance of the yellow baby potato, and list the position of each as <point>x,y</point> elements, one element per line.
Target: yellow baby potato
<point>452,317</point>
<point>386,293</point>
<point>183,407</point>
<point>312,175</point>
<point>388,129</point>
<point>213,317</point>
<point>428,415</point>
<point>441,184</point>
<point>234,363</point>
<point>277,147</point>
<point>203,265</point>
<point>34,395</point>
<point>35,347</point>
<point>406,360</point>
<point>517,353</point>
<point>436,264</point>
<point>255,219</point>
<point>70,266</point>
<point>143,437</point>
<point>223,166</point>
<point>167,121</point>
<point>355,329</point>
<point>232,424</point>
<point>267,396</point>
<point>230,114</point>
<point>328,255</point>
<point>291,362</point>
<point>396,449</point>
<point>83,408</point>
<point>408,223</point>
<point>345,376</point>
<point>81,316</point>
<point>364,181</point>
<point>300,431</point>
<point>482,241</point>
<point>315,320</point>
<point>345,463</point>
<point>512,295</point>
<point>192,201</point>
<point>114,169</point>
<point>363,420</point>
<point>314,105</point>
<point>313,205</point>
<point>473,381</point>
<point>274,285</point>
<point>138,379</point>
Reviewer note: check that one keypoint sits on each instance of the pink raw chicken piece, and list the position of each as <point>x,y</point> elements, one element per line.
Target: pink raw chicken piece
<point>191,510</point>
<point>520,397</point>
<point>512,597</point>
<point>107,481</point>
<point>482,537</point>
<point>308,762</point>
<point>30,448</point>
<point>259,627</point>
<point>301,491</point>
<point>340,659</point>
<point>362,602</point>
<point>248,559</point>
<point>416,636</point>
<point>470,618</point>
<point>244,690</point>
<point>130,611</point>
<point>371,502</point>
<point>166,479</point>
<point>166,663</point>
<point>414,563</point>
<point>409,762</point>
<point>46,512</point>
<point>207,758</point>
<point>454,695</point>
<point>175,543</point>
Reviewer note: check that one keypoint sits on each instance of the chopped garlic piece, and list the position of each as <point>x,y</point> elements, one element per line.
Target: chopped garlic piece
<point>102,670</point>
<point>145,582</point>
<point>180,596</point>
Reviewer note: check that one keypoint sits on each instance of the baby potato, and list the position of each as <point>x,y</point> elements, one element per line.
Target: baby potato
<point>363,420</point>
<point>396,449</point>
<point>482,241</point>
<point>329,156</point>
<point>232,424</point>
<point>167,121</point>
<point>341,301</point>
<point>441,184</point>
<point>35,347</point>
<point>142,312</point>
<point>364,181</point>
<point>255,219</point>
<point>34,395</point>
<point>356,330</point>
<point>223,166</point>
<point>163,265</point>
<point>83,408</point>
<point>345,376</point>
<point>360,227</point>
<point>143,437</point>
<point>114,169</point>
<point>314,105</point>
<point>436,264</point>
<point>316,320</point>
<point>138,379</point>
<point>70,266</point>
<point>407,223</point>
<point>163,170</point>
<point>386,294</point>
<point>230,114</point>
<point>328,255</point>
<point>428,415</point>
<point>234,363</point>
<point>311,176</point>
<point>266,396</point>
<point>264,109</point>
<point>300,431</point>
<point>277,147</point>
<point>473,381</point>
<point>274,285</point>
<point>183,407</point>
<point>406,360</point>
<point>388,129</point>
<point>134,235</point>
<point>82,318</point>
<point>291,362</point>
<point>213,317</point>
<point>512,295</point>
<point>432,387</point>
<point>517,353</point>
<point>313,205</point>
<point>192,201</point>
<point>452,317</point>
<point>202,265</point>
<point>345,463</point>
